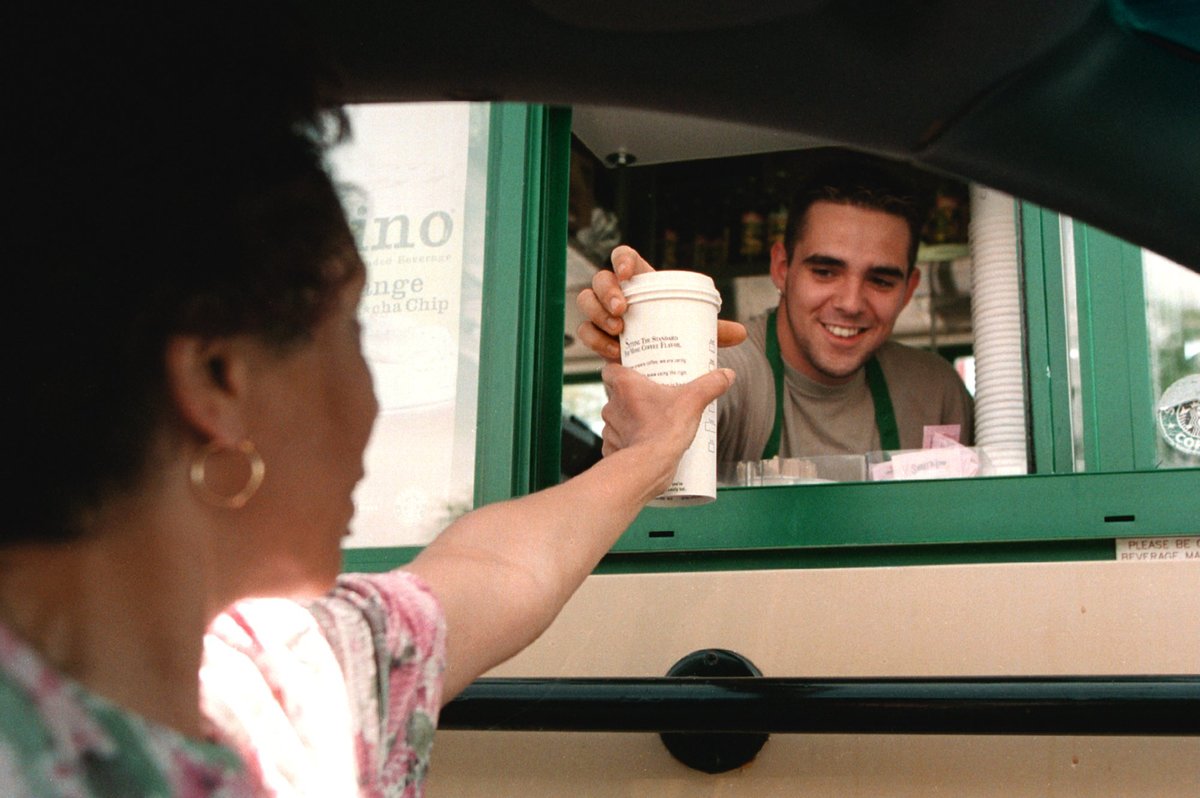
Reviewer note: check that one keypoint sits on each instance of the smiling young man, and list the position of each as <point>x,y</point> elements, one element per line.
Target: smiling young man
<point>818,375</point>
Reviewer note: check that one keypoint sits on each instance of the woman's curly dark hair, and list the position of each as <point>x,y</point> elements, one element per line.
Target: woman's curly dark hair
<point>169,177</point>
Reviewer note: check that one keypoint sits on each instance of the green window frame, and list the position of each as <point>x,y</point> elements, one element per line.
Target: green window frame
<point>1116,392</point>
<point>1055,513</point>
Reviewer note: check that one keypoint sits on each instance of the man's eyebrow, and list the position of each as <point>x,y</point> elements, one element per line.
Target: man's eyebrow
<point>883,270</point>
<point>887,271</point>
<point>817,259</point>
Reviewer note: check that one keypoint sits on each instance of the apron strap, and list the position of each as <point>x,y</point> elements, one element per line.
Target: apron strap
<point>885,414</point>
<point>776,361</point>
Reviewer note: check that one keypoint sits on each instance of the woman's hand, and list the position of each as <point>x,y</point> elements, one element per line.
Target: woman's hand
<point>604,304</point>
<point>658,421</point>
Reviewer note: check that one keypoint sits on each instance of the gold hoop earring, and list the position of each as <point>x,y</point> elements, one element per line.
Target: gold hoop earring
<point>258,470</point>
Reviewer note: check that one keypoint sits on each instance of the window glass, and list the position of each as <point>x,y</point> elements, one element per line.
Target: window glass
<point>413,181</point>
<point>1071,311</point>
<point>1045,320</point>
<point>1173,330</point>
<point>972,306</point>
<point>722,216</point>
<point>584,401</point>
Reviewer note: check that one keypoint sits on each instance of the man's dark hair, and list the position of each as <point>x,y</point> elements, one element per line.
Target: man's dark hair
<point>849,178</point>
<point>168,178</point>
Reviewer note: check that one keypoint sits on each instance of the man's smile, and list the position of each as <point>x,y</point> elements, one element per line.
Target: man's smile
<point>842,331</point>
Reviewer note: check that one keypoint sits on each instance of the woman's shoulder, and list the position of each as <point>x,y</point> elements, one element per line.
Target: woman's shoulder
<point>395,597</point>
<point>57,738</point>
<point>354,676</point>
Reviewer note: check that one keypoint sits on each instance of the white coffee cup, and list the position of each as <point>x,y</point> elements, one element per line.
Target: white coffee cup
<point>670,336</point>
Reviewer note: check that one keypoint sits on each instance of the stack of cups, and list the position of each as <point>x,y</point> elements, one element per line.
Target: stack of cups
<point>670,336</point>
<point>1000,414</point>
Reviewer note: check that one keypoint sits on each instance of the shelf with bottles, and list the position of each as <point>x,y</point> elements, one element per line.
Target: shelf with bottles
<point>721,216</point>
<point>942,253</point>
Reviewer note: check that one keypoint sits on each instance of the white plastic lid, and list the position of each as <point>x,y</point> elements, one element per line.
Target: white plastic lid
<point>671,284</point>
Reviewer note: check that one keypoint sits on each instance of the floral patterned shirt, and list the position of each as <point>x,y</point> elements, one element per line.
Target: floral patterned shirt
<point>338,697</point>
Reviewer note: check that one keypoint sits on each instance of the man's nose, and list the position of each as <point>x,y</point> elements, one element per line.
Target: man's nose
<point>849,296</point>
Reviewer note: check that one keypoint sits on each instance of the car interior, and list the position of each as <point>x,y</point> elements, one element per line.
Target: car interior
<point>1086,113</point>
<point>1085,106</point>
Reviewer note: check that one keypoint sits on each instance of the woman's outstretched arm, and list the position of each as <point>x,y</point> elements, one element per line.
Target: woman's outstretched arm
<point>503,572</point>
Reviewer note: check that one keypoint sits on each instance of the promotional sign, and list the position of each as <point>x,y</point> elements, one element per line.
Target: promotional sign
<point>408,184</point>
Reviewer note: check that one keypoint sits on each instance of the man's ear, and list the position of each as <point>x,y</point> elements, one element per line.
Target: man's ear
<point>206,379</point>
<point>914,279</point>
<point>779,265</point>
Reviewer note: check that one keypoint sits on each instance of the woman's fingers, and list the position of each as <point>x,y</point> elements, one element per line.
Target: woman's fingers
<point>640,410</point>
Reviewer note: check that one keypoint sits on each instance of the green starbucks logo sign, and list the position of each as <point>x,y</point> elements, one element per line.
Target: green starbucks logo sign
<point>1179,415</point>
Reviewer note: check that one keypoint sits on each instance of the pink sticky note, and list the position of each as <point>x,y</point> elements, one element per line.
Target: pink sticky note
<point>881,472</point>
<point>951,431</point>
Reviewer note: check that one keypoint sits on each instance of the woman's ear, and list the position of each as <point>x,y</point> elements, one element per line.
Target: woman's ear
<point>207,381</point>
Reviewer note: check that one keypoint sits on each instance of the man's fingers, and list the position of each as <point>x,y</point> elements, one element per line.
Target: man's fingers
<point>730,333</point>
<point>608,301</point>
<point>599,333</point>
<point>606,288</point>
<point>604,345</point>
<point>627,262</point>
<point>590,305</point>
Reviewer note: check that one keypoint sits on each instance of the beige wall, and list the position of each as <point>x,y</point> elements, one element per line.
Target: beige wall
<point>1008,620</point>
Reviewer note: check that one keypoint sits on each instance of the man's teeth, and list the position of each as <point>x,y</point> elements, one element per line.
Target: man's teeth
<point>842,332</point>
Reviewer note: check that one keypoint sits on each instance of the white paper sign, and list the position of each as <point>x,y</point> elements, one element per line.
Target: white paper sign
<point>406,183</point>
<point>1159,549</point>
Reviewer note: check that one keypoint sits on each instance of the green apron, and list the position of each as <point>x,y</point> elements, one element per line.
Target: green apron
<point>885,416</point>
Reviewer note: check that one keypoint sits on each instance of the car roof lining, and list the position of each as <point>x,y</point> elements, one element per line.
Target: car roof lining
<point>1008,93</point>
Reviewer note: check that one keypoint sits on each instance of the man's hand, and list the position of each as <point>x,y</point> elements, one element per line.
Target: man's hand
<point>604,304</point>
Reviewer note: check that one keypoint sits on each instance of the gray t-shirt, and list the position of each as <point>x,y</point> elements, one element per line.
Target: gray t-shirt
<point>834,419</point>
